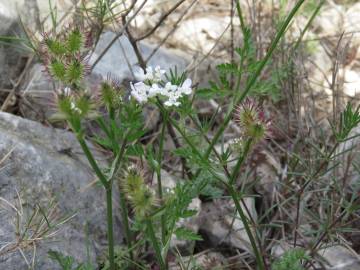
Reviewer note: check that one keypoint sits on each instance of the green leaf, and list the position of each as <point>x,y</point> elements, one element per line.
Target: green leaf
<point>135,150</point>
<point>66,262</point>
<point>227,68</point>
<point>290,260</point>
<point>349,119</point>
<point>186,234</point>
<point>188,213</point>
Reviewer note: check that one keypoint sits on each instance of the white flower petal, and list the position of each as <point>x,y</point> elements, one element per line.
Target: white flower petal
<point>67,91</point>
<point>187,83</point>
<point>139,74</point>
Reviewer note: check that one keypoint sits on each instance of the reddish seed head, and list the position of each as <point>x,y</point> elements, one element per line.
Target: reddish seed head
<point>251,118</point>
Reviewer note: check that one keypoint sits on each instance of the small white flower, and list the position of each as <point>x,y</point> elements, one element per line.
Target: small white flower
<point>185,88</point>
<point>139,74</point>
<point>172,102</point>
<point>74,108</point>
<point>154,90</point>
<point>67,91</point>
<point>169,89</point>
<point>158,74</point>
<point>140,91</point>
<point>149,74</point>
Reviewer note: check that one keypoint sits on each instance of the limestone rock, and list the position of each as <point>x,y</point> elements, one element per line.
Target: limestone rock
<point>120,59</point>
<point>43,168</point>
<point>221,226</point>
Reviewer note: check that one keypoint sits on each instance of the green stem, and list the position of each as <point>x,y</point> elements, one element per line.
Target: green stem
<point>241,17</point>
<point>308,24</point>
<point>124,210</point>
<point>259,259</point>
<point>155,244</point>
<point>110,227</point>
<point>108,189</point>
<point>92,161</point>
<point>159,184</point>
<point>124,213</point>
<point>240,161</point>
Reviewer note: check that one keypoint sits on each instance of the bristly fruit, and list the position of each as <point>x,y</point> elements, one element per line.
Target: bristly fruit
<point>74,41</point>
<point>57,69</point>
<point>110,93</point>
<point>54,46</point>
<point>65,56</point>
<point>251,118</point>
<point>140,196</point>
<point>74,71</point>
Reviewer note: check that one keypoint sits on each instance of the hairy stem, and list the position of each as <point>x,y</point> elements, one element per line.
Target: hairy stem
<point>128,236</point>
<point>92,161</point>
<point>155,244</point>
<point>259,260</point>
<point>110,227</point>
<point>159,184</point>
<point>240,161</point>
<point>108,189</point>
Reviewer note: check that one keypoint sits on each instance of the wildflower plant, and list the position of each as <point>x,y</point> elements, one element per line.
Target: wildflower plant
<point>151,216</point>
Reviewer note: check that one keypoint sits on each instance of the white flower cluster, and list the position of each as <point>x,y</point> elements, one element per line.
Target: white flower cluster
<point>150,86</point>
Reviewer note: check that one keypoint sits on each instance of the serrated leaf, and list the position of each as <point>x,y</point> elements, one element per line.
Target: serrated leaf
<point>227,68</point>
<point>66,262</point>
<point>135,150</point>
<point>188,213</point>
<point>186,234</point>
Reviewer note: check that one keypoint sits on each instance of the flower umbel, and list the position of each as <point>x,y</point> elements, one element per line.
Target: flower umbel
<point>152,85</point>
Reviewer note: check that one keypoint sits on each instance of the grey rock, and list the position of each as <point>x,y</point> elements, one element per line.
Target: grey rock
<point>350,150</point>
<point>41,166</point>
<point>7,17</point>
<point>10,55</point>
<point>334,257</point>
<point>121,58</point>
<point>339,258</point>
<point>221,227</point>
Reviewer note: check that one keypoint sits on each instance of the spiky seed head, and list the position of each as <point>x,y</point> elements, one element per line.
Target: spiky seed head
<point>106,94</point>
<point>57,69</point>
<point>64,105</point>
<point>140,196</point>
<point>74,41</point>
<point>133,180</point>
<point>251,118</point>
<point>69,105</point>
<point>143,202</point>
<point>74,71</point>
<point>88,39</point>
<point>110,92</point>
<point>55,47</point>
